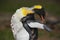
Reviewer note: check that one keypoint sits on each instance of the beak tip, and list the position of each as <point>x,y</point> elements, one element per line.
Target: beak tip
<point>47,28</point>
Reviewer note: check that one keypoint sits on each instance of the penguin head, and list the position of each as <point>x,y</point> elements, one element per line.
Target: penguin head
<point>39,9</point>
<point>26,11</point>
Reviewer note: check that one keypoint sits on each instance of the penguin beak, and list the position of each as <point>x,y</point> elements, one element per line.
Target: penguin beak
<point>47,28</point>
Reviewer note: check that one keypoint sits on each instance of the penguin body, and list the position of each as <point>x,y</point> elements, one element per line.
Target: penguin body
<point>18,24</point>
<point>18,30</point>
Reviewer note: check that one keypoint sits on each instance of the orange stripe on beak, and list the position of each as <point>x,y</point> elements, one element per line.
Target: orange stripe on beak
<point>42,19</point>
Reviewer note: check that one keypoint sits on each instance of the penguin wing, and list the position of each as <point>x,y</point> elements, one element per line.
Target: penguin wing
<point>39,25</point>
<point>36,25</point>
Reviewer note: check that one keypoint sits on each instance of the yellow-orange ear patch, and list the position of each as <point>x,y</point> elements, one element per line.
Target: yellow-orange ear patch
<point>26,11</point>
<point>37,7</point>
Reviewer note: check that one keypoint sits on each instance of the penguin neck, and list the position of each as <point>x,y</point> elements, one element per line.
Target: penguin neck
<point>20,15</point>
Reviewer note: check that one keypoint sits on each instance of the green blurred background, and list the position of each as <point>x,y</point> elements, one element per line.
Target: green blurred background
<point>8,7</point>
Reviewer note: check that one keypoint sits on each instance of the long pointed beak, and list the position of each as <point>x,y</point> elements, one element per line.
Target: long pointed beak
<point>47,28</point>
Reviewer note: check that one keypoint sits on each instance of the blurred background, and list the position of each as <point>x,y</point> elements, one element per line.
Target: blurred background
<point>8,7</point>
